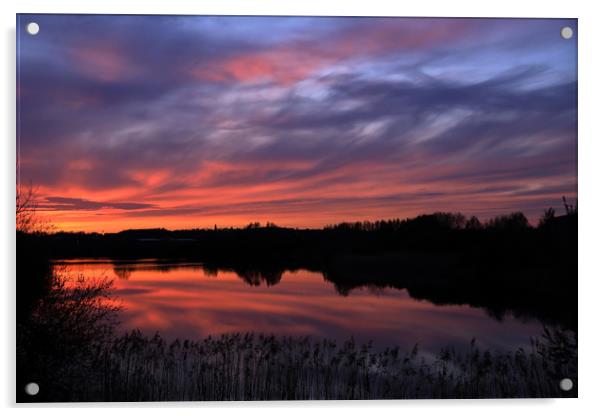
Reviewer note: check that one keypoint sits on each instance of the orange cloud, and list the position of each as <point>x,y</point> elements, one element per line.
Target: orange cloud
<point>351,192</point>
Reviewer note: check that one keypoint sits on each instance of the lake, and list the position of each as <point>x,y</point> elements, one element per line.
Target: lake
<point>184,300</point>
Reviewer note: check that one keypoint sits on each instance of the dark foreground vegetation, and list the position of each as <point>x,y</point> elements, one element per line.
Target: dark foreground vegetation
<point>69,349</point>
<point>258,367</point>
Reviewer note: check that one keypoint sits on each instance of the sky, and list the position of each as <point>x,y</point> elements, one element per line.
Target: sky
<point>196,121</point>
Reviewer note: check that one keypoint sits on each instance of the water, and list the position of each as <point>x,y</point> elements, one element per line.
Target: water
<point>183,300</point>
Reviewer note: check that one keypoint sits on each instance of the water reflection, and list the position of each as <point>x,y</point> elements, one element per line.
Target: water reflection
<point>187,300</point>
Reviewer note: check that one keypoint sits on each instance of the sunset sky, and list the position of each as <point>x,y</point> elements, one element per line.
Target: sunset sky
<point>183,121</point>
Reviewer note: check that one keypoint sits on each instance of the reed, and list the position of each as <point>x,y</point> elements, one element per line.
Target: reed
<point>264,367</point>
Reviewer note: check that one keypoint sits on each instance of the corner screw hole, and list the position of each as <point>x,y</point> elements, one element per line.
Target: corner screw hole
<point>566,32</point>
<point>32,389</point>
<point>32,28</point>
<point>566,384</point>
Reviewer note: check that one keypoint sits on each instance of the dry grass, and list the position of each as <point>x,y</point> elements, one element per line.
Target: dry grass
<point>259,367</point>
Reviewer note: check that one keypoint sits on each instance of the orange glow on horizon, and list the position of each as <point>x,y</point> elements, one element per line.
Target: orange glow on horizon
<point>365,191</point>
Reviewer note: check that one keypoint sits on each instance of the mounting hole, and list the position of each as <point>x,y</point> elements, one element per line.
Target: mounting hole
<point>566,384</point>
<point>32,389</point>
<point>566,32</point>
<point>33,28</point>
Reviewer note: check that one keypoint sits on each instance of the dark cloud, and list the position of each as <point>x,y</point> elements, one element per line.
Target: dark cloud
<point>56,203</point>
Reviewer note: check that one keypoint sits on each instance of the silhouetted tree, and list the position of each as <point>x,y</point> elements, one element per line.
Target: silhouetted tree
<point>453,221</point>
<point>57,346</point>
<point>61,322</point>
<point>473,223</point>
<point>547,217</point>
<point>26,219</point>
<point>569,208</point>
<point>515,221</point>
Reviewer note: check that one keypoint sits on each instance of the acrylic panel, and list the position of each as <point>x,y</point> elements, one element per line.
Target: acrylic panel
<point>295,208</point>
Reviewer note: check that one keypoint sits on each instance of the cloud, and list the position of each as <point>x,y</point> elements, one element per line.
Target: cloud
<point>195,115</point>
<point>56,203</point>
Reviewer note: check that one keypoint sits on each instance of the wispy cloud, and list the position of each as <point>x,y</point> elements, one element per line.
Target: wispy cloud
<point>56,203</point>
<point>225,119</point>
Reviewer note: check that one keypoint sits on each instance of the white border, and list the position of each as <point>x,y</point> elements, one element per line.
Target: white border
<point>590,190</point>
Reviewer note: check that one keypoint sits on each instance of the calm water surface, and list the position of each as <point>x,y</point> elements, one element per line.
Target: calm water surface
<point>183,300</point>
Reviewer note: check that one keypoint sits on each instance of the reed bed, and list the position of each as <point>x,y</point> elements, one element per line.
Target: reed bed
<point>264,367</point>
<point>68,345</point>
